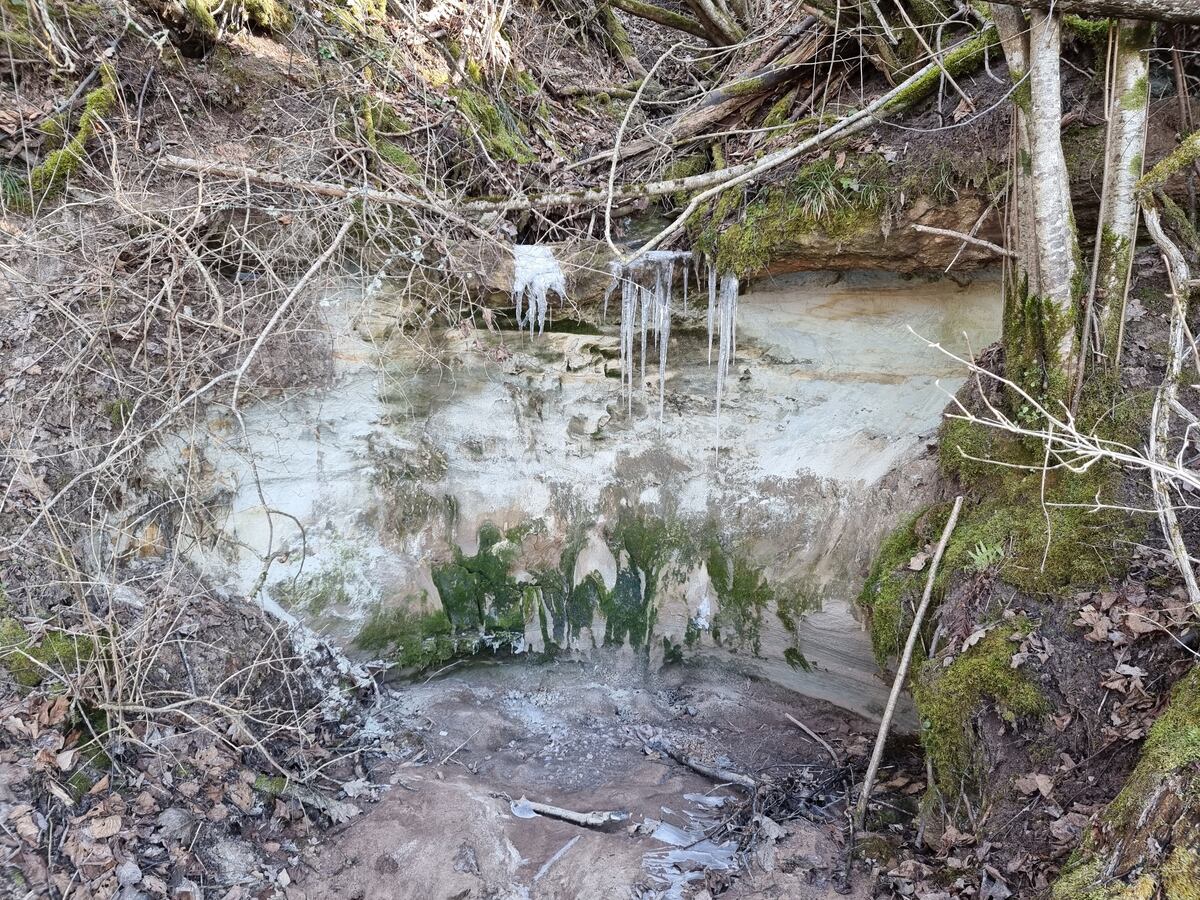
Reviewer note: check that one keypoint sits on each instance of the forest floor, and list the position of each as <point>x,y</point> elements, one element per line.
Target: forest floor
<point>145,722</point>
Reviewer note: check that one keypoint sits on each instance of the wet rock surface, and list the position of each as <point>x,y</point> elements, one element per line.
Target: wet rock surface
<point>484,489</point>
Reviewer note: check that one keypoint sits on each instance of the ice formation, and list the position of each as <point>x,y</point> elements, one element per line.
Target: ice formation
<point>646,285</point>
<point>536,273</point>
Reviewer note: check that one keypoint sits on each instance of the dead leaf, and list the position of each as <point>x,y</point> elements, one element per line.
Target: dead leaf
<point>973,638</point>
<point>104,827</point>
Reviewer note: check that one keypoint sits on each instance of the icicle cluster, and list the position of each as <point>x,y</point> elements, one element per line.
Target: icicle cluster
<point>536,274</point>
<point>646,285</point>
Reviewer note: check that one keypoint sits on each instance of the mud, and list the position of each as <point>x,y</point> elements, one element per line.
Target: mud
<point>574,736</point>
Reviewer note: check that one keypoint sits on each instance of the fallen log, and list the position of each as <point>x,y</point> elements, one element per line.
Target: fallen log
<point>1182,11</point>
<point>662,16</point>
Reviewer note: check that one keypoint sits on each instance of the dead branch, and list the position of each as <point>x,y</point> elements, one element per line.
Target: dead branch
<point>889,711</point>
<point>713,772</point>
<point>595,819</point>
<point>1167,399</point>
<point>816,737</point>
<point>966,239</point>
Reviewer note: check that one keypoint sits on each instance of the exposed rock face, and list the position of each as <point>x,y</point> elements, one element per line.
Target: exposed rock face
<point>489,489</point>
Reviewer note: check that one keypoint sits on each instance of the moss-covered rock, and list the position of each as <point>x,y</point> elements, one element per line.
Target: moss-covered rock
<point>821,198</point>
<point>948,698</point>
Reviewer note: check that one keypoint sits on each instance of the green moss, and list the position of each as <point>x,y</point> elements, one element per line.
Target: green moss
<point>968,451</point>
<point>643,545</point>
<point>1079,881</point>
<point>685,167</point>
<point>1136,97</point>
<point>478,592</point>
<point>1183,155</point>
<point>274,785</point>
<point>118,411</point>
<point>1181,874</point>
<point>31,662</point>
<point>964,58</point>
<point>498,128</point>
<point>1173,742</point>
<point>819,199</point>
<point>743,595</point>
<point>948,698</point>
<point>780,111</point>
<point>1033,329</point>
<point>201,20</point>
<point>412,639</point>
<point>1093,31</point>
<point>566,608</point>
<point>1065,542</point>
<point>50,176</point>
<point>381,126</point>
<point>892,591</point>
<point>268,15</point>
<point>796,660</point>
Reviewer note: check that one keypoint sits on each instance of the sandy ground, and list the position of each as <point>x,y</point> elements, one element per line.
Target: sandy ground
<point>573,736</point>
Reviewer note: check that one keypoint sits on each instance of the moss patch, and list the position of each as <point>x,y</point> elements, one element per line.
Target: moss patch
<point>1173,742</point>
<point>892,591</point>
<point>478,592</point>
<point>30,662</point>
<point>412,638</point>
<point>820,198</point>
<point>49,178</point>
<point>947,699</point>
<point>1181,874</point>
<point>493,121</point>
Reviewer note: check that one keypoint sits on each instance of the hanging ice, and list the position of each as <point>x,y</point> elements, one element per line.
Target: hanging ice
<point>646,284</point>
<point>722,321</point>
<point>726,303</point>
<point>535,274</point>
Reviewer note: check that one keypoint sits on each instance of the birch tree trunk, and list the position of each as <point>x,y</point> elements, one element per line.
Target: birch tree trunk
<point>1119,206</point>
<point>1044,289</point>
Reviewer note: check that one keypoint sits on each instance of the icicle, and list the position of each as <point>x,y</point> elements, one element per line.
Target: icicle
<point>664,340</point>
<point>712,305</point>
<point>726,338</point>
<point>535,274</point>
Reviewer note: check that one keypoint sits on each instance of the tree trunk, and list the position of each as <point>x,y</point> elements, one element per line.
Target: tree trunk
<point>1186,11</point>
<point>1043,289</point>
<point>1117,233</point>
